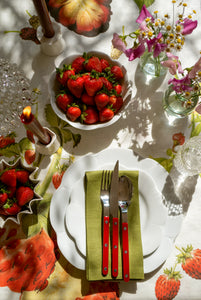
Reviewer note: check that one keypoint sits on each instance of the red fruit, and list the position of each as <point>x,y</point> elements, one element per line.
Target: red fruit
<point>11,191</point>
<point>88,100</point>
<point>73,113</point>
<point>118,88</point>
<point>90,116</point>
<point>93,63</point>
<point>22,176</point>
<point>167,285</point>
<point>11,208</point>
<point>116,106</point>
<point>106,114</point>
<point>106,83</point>
<point>3,198</point>
<point>56,179</point>
<point>78,64</point>
<point>191,261</point>
<point>30,156</point>
<point>104,63</point>
<point>101,100</point>
<point>64,74</point>
<point>76,85</point>
<point>117,72</point>
<point>9,177</point>
<point>7,140</point>
<point>63,100</point>
<point>23,195</point>
<point>113,100</point>
<point>92,85</point>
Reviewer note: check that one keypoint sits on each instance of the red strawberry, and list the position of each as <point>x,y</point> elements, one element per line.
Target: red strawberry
<point>22,176</point>
<point>106,114</point>
<point>106,83</point>
<point>90,115</point>
<point>57,178</point>
<point>117,72</point>
<point>191,261</point>
<point>11,191</point>
<point>73,113</point>
<point>101,100</point>
<point>89,100</point>
<point>113,100</point>
<point>7,140</point>
<point>104,63</point>
<point>9,177</point>
<point>62,75</point>
<point>118,104</point>
<point>63,100</point>
<point>23,195</point>
<point>3,198</point>
<point>167,285</point>
<point>11,208</point>
<point>78,64</point>
<point>93,63</point>
<point>92,85</point>
<point>118,88</point>
<point>30,156</point>
<point>76,85</point>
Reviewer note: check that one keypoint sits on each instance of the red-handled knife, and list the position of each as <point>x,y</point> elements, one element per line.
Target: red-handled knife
<point>114,207</point>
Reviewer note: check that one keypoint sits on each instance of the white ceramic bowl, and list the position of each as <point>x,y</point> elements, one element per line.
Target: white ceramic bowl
<point>53,88</point>
<point>27,209</point>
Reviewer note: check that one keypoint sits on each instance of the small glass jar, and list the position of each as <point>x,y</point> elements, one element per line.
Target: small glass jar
<point>151,65</point>
<point>179,105</point>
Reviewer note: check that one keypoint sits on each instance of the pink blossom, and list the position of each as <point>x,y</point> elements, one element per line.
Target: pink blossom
<point>118,43</point>
<point>143,15</point>
<point>181,85</point>
<point>133,53</point>
<point>196,68</point>
<point>172,63</point>
<point>155,46</point>
<point>188,26</point>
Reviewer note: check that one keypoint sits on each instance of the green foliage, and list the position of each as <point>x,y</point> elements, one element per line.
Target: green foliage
<point>140,3</point>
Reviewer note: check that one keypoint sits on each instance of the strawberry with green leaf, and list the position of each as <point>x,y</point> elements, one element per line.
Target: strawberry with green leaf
<point>73,112</point>
<point>106,114</point>
<point>90,115</point>
<point>93,85</point>
<point>64,99</point>
<point>63,74</point>
<point>76,85</point>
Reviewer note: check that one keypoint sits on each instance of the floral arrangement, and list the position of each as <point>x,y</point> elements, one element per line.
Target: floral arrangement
<point>155,34</point>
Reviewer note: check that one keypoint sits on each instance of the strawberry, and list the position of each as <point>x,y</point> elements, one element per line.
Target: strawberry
<point>56,179</point>
<point>78,64</point>
<point>23,195</point>
<point>106,83</point>
<point>62,75</point>
<point>22,176</point>
<point>11,191</point>
<point>104,63</point>
<point>3,198</point>
<point>73,112</point>
<point>106,114</point>
<point>88,100</point>
<point>63,100</point>
<point>7,140</point>
<point>93,63</point>
<point>112,100</point>
<point>118,104</point>
<point>167,285</point>
<point>101,100</point>
<point>76,85</point>
<point>90,115</point>
<point>118,88</point>
<point>117,72</point>
<point>191,261</point>
<point>92,85</point>
<point>11,208</point>
<point>30,156</point>
<point>9,177</point>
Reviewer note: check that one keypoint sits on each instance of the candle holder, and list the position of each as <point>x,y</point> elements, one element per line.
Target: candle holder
<point>52,46</point>
<point>50,148</point>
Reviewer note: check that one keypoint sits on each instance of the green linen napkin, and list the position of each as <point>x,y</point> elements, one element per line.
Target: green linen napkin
<point>93,210</point>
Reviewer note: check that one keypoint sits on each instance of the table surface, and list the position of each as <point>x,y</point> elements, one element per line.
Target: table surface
<point>142,128</point>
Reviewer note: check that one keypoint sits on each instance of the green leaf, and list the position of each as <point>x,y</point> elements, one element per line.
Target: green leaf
<point>76,139</point>
<point>25,144</point>
<point>67,135</point>
<point>51,117</point>
<point>140,3</point>
<point>11,150</point>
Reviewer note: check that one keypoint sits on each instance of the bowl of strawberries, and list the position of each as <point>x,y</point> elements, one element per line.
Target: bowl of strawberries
<point>17,190</point>
<point>88,90</point>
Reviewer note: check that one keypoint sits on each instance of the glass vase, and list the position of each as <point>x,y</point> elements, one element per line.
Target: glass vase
<point>179,105</point>
<point>151,65</point>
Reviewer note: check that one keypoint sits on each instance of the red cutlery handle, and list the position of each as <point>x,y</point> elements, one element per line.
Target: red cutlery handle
<point>106,232</point>
<point>115,243</point>
<point>125,249</point>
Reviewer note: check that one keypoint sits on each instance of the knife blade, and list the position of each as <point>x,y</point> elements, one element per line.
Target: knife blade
<point>114,207</point>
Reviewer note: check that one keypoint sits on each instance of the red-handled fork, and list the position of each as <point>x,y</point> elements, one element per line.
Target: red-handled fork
<point>104,196</point>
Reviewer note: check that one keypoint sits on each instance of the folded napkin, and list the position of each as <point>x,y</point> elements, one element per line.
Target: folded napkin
<point>93,210</point>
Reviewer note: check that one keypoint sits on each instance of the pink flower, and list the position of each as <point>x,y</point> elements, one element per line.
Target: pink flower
<point>181,85</point>
<point>143,15</point>
<point>133,53</point>
<point>196,68</point>
<point>118,43</point>
<point>172,63</point>
<point>154,45</point>
<point>188,26</point>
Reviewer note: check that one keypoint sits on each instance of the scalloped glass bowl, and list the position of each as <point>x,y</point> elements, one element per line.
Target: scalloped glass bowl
<point>28,207</point>
<point>53,88</point>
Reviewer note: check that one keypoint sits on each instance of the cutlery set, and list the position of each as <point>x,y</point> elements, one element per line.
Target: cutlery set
<point>115,195</point>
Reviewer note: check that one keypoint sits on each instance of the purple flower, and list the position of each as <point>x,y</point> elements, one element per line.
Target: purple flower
<point>181,85</point>
<point>143,15</point>
<point>172,63</point>
<point>133,53</point>
<point>155,46</point>
<point>196,68</point>
<point>118,43</point>
<point>188,26</point>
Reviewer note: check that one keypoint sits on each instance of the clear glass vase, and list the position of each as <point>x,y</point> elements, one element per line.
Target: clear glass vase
<point>179,105</point>
<point>151,65</point>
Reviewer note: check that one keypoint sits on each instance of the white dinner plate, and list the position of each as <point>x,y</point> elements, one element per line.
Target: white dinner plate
<point>101,160</point>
